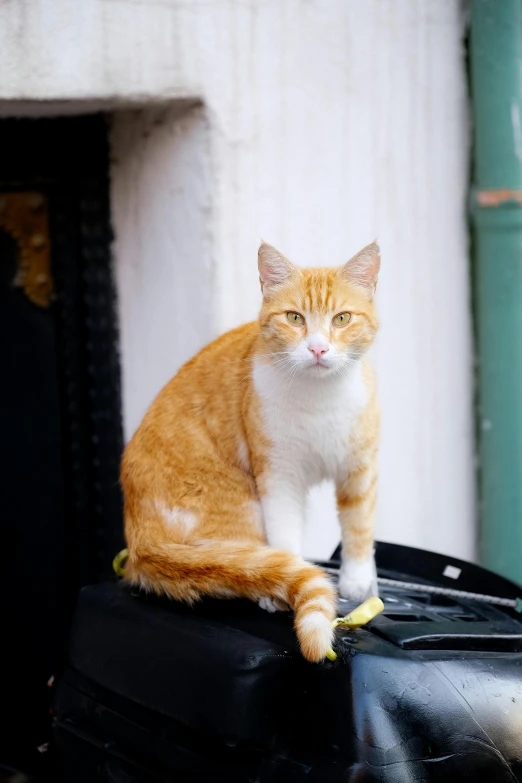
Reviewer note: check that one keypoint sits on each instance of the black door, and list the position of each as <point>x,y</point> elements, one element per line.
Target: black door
<point>60,412</point>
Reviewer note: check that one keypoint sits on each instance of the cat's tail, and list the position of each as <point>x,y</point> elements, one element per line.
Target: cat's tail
<point>227,569</point>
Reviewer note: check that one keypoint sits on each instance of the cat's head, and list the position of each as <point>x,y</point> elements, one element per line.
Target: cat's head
<point>318,320</point>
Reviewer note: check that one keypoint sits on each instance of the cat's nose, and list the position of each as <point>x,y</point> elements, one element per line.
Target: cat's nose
<point>318,350</point>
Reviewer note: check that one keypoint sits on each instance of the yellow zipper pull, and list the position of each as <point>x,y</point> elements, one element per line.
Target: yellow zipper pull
<point>119,562</point>
<point>359,616</point>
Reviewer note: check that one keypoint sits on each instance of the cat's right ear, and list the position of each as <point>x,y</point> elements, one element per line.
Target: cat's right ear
<point>274,268</point>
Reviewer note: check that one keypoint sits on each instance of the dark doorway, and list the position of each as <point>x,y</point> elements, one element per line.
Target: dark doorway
<point>60,412</point>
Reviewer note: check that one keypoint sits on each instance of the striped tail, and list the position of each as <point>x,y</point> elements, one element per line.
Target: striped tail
<point>227,569</point>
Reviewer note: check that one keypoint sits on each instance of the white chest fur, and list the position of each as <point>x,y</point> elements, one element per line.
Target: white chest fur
<point>308,421</point>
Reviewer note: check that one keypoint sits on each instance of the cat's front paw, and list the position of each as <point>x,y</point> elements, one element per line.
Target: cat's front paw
<point>358,580</point>
<point>273,604</point>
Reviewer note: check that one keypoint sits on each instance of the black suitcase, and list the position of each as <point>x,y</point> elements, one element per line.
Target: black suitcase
<point>431,690</point>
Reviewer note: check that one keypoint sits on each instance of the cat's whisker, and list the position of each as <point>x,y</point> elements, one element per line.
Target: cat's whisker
<point>284,389</point>
<point>275,353</point>
<point>284,376</point>
<point>280,363</point>
<point>251,360</point>
<point>263,356</point>
<point>282,354</point>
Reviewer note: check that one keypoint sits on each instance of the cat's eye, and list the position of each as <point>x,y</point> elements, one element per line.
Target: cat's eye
<point>295,319</point>
<point>342,319</point>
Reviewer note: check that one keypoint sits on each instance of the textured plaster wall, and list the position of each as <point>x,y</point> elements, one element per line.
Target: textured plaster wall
<point>322,124</point>
<point>161,212</point>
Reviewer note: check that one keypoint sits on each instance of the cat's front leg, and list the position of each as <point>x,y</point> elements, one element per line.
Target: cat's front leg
<point>283,515</point>
<point>356,501</point>
<point>283,507</point>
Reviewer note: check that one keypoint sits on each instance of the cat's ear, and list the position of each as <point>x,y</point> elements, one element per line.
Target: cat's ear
<point>363,269</point>
<point>274,268</point>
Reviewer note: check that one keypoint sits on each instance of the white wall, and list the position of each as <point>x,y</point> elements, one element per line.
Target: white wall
<point>325,123</point>
<point>161,204</point>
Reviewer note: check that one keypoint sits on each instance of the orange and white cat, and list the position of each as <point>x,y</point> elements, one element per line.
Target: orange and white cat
<point>216,476</point>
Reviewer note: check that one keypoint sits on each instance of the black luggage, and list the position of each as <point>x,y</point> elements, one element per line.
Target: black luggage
<point>430,691</point>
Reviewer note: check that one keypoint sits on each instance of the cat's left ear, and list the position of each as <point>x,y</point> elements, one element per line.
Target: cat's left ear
<point>363,269</point>
<point>274,268</point>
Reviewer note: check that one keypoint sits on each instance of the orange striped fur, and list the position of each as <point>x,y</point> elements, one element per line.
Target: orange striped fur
<point>216,476</point>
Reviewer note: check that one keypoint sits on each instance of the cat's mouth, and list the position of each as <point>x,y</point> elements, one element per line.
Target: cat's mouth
<point>319,365</point>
